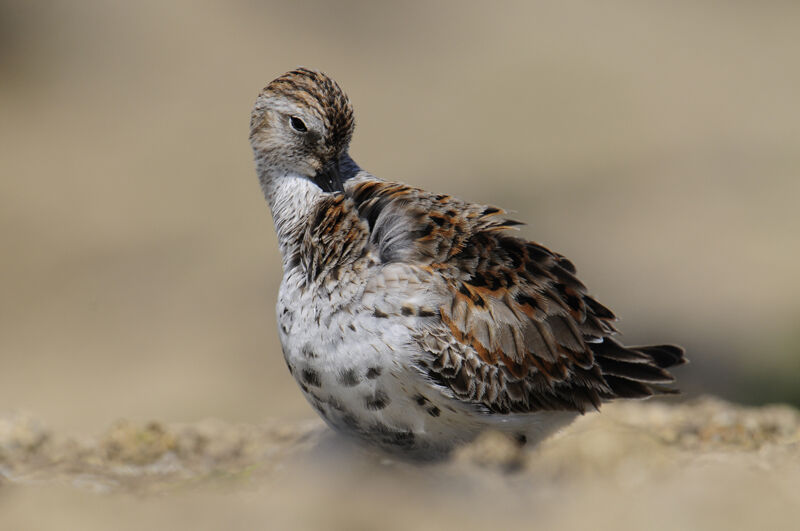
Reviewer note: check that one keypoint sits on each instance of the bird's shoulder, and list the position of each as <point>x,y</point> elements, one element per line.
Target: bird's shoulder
<point>408,224</point>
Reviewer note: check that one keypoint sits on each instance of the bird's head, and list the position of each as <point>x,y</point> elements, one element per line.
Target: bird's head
<point>301,124</point>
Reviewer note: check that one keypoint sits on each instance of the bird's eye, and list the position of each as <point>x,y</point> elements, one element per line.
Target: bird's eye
<point>297,124</point>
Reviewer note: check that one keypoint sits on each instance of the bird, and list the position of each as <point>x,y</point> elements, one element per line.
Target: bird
<point>413,321</point>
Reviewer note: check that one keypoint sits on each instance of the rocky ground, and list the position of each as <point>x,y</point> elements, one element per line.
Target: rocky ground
<point>701,464</point>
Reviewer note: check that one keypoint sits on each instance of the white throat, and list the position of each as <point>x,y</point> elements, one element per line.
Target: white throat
<point>292,199</point>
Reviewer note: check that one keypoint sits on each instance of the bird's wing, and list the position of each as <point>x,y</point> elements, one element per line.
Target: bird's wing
<point>516,330</point>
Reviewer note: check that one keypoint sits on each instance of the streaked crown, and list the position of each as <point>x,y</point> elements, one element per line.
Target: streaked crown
<point>316,93</point>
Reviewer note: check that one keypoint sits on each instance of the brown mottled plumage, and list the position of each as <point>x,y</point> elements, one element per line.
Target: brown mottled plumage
<point>455,324</point>
<point>537,340</point>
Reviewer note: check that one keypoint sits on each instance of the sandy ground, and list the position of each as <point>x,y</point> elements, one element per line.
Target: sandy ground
<point>704,464</point>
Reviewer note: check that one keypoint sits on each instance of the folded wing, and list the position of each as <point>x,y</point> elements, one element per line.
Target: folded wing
<point>517,331</point>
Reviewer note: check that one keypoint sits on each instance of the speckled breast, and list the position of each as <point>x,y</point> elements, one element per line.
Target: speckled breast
<point>355,369</point>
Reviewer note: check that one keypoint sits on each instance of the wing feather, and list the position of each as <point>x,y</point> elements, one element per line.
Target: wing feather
<point>517,330</point>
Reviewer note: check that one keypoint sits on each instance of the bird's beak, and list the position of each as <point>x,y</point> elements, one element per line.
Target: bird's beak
<point>329,178</point>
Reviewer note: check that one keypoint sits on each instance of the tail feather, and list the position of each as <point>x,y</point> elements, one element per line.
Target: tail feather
<point>663,355</point>
<point>637,372</point>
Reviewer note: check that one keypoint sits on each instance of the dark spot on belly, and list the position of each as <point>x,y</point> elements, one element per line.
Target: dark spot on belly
<point>334,403</point>
<point>407,310</point>
<point>377,400</point>
<point>434,411</point>
<point>421,400</point>
<point>380,314</point>
<point>308,353</point>
<point>351,327</point>
<point>317,401</point>
<point>392,436</point>
<point>382,429</point>
<point>404,438</point>
<point>521,439</point>
<point>315,397</point>
<point>348,378</point>
<point>373,372</point>
<point>311,377</point>
<point>351,422</point>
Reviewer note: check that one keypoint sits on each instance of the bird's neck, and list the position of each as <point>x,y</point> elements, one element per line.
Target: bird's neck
<point>292,199</point>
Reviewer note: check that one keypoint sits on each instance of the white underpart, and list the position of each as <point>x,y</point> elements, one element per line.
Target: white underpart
<point>291,200</point>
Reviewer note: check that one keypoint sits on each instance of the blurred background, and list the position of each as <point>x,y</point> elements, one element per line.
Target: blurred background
<point>657,144</point>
